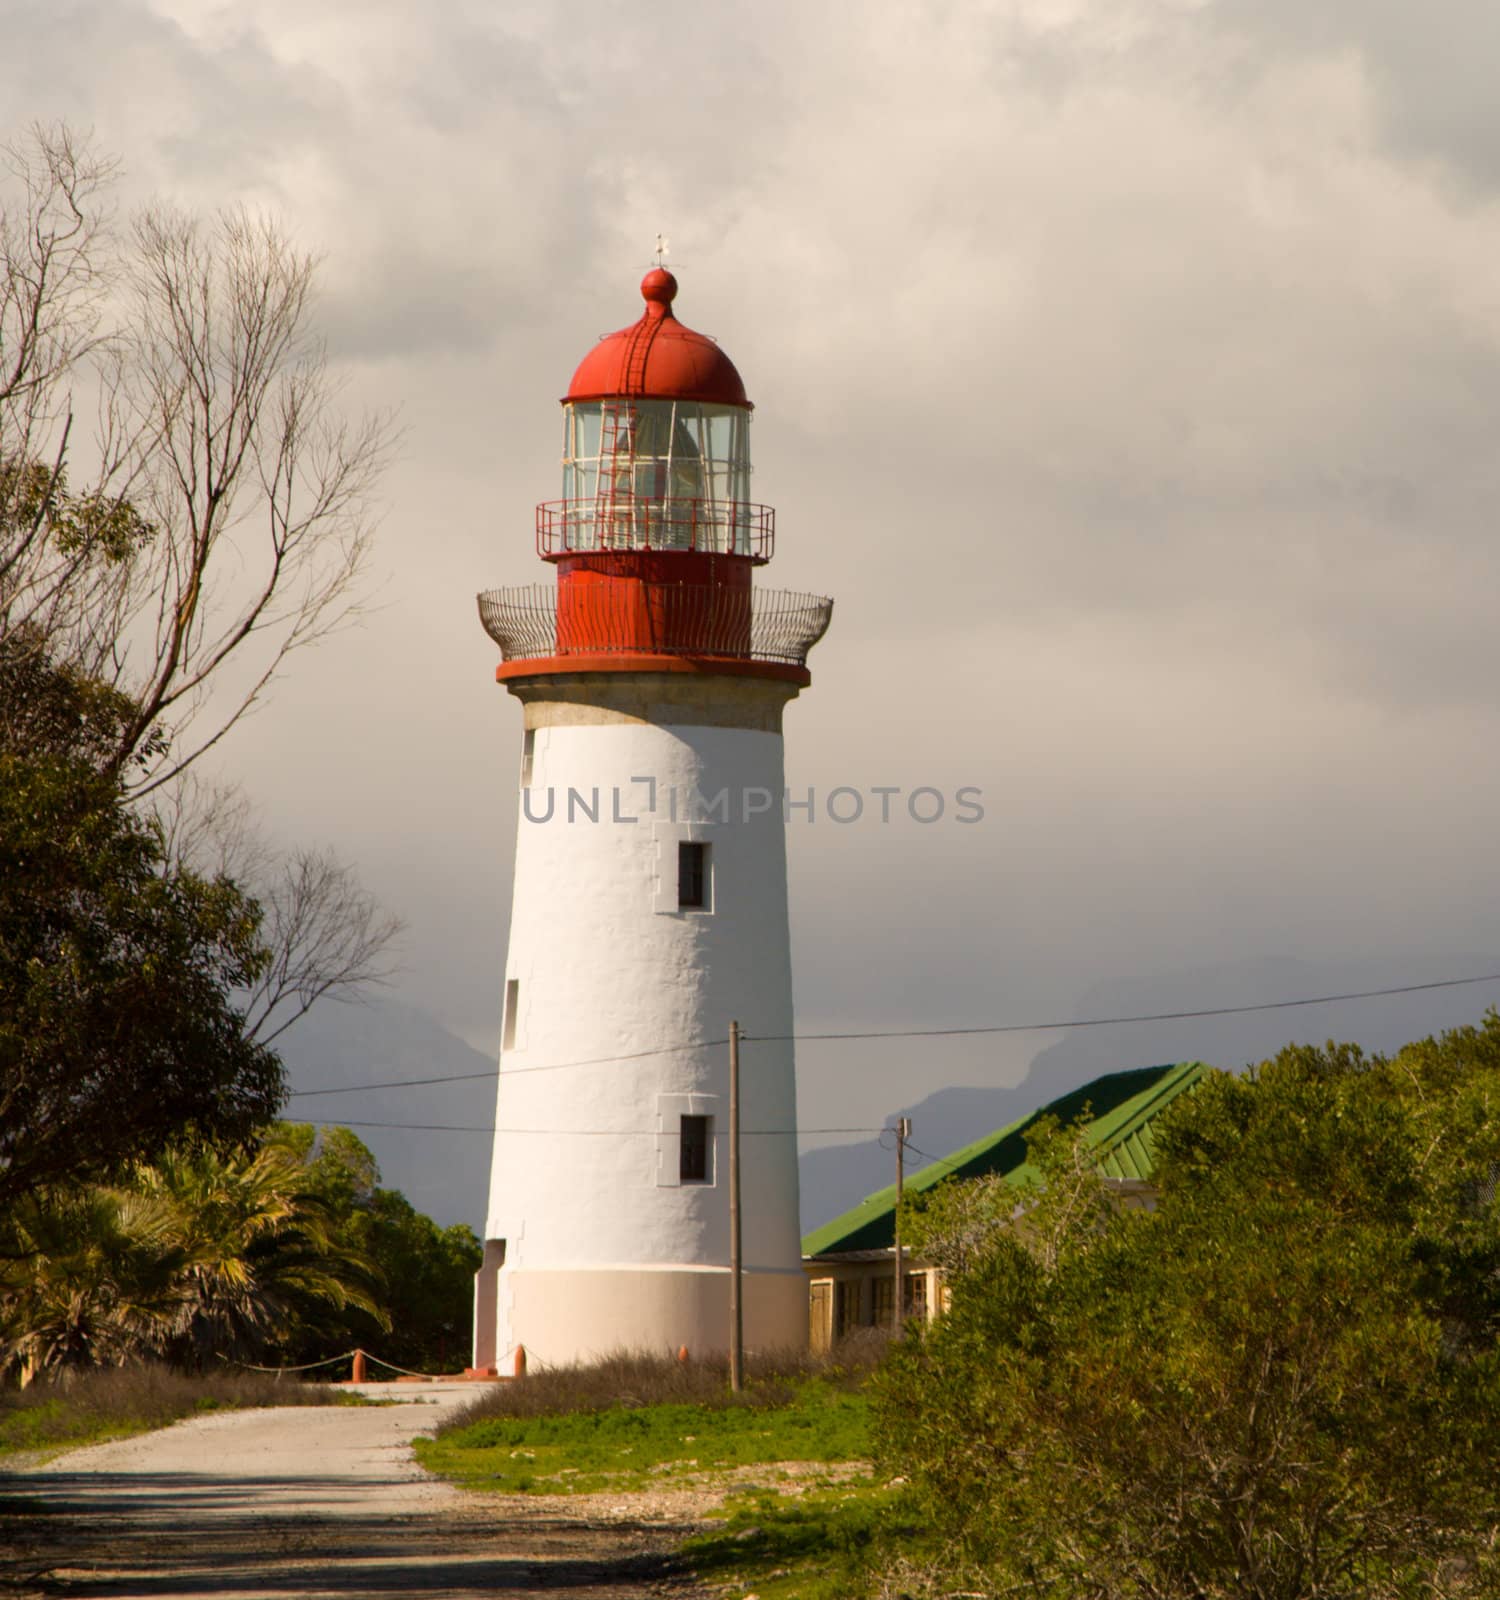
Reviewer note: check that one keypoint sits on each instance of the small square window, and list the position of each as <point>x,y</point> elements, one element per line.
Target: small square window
<point>528,756</point>
<point>692,876</point>
<point>693,1159</point>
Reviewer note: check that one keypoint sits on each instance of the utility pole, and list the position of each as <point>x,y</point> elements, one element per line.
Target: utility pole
<point>898,1309</point>
<point>736,1305</point>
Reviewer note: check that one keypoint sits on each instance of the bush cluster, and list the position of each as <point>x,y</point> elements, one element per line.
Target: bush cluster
<point>636,1378</point>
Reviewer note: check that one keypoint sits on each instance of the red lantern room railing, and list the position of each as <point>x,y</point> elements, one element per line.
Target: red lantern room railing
<point>655,537</point>
<point>669,619</point>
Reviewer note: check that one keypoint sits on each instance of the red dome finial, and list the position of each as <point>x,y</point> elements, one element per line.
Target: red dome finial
<point>657,358</point>
<point>659,290</point>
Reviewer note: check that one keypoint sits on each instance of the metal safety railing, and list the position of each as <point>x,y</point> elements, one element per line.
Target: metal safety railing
<point>634,522</point>
<point>681,619</point>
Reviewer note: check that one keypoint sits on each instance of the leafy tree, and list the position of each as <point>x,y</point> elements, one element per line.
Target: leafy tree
<point>1283,1384</point>
<point>89,1280</point>
<point>261,1251</point>
<point>148,960</point>
<point>341,1168</point>
<point>425,1273</point>
<point>959,1224</point>
<point>118,1023</point>
<point>200,1256</point>
<point>429,1284</point>
<point>55,710</point>
<point>149,957</point>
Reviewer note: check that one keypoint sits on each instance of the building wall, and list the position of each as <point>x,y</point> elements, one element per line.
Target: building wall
<point>845,1296</point>
<point>604,1246</point>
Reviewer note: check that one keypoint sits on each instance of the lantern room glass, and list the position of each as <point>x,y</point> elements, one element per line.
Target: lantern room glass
<point>656,475</point>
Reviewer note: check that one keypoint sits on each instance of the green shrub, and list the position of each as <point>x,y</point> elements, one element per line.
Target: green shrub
<point>1283,1384</point>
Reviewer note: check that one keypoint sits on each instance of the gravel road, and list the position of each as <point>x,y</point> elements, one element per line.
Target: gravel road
<point>315,1500</point>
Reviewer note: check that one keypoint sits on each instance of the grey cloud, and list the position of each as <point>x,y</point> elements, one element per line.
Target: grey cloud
<point>1433,68</point>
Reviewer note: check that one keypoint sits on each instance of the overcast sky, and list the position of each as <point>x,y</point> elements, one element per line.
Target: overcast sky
<point>1127,370</point>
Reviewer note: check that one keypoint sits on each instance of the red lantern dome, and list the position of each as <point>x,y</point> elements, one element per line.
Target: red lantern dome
<point>656,536</point>
<point>658,358</point>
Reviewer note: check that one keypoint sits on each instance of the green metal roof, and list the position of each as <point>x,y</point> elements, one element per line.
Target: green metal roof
<point>1122,1107</point>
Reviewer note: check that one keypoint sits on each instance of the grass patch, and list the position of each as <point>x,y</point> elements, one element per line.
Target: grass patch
<point>90,1407</point>
<point>638,1422</point>
<point>826,1544</point>
<point>632,1447</point>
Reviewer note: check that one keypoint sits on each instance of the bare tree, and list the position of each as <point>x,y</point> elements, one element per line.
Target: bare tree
<point>229,512</point>
<point>52,287</point>
<point>326,935</point>
<point>55,275</point>
<point>259,491</point>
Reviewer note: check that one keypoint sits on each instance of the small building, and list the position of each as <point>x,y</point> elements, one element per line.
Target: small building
<point>850,1262</point>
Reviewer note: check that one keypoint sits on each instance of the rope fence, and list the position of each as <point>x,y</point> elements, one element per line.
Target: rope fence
<point>307,1366</point>
<point>356,1357</point>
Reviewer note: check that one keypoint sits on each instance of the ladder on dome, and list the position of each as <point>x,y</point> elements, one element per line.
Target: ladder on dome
<point>615,508</point>
<point>614,505</point>
<point>636,353</point>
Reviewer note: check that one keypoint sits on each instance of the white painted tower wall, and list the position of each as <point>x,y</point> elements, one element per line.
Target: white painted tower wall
<point>603,1247</point>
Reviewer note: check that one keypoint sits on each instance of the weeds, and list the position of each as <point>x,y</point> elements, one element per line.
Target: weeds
<point>86,1407</point>
<point>635,1378</point>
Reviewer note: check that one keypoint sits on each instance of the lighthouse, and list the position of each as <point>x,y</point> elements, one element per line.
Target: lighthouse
<point>650,894</point>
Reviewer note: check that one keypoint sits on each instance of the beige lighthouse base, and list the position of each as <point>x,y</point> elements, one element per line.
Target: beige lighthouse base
<point>565,1315</point>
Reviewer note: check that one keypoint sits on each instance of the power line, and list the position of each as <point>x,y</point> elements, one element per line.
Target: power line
<point>634,1055</point>
<point>935,1161</point>
<point>1109,1022</point>
<point>514,1072</point>
<point>397,1083</point>
<point>904,1033</point>
<point>592,1133</point>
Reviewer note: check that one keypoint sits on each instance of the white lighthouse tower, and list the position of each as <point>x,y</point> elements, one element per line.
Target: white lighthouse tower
<point>650,901</point>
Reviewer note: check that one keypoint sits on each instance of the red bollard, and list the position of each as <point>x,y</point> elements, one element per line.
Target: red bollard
<point>359,1368</point>
<point>520,1360</point>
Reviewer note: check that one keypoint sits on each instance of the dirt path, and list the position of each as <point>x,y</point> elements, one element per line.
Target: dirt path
<point>260,1505</point>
